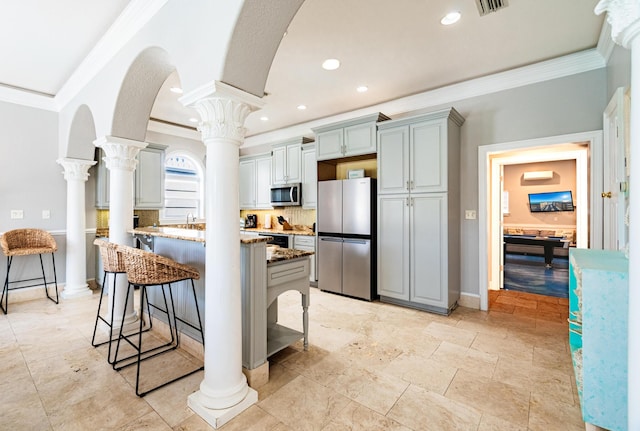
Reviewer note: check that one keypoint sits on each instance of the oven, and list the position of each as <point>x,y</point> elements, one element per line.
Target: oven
<point>284,241</point>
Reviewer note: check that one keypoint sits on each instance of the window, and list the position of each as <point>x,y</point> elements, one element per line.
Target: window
<point>183,188</point>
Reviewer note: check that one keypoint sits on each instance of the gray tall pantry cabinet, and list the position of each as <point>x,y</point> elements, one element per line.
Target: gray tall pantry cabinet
<point>419,211</point>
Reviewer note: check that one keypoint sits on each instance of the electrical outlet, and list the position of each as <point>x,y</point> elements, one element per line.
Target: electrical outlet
<point>46,214</point>
<point>17,214</point>
<point>470,214</point>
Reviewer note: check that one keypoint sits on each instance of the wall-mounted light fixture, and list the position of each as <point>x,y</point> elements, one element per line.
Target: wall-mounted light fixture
<point>538,175</point>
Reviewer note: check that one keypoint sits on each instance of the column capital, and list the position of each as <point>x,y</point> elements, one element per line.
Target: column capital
<point>223,110</point>
<point>120,152</point>
<point>76,169</point>
<point>624,18</point>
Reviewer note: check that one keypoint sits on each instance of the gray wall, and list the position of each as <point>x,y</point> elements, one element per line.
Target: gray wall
<point>567,105</point>
<point>30,178</point>
<point>618,70</point>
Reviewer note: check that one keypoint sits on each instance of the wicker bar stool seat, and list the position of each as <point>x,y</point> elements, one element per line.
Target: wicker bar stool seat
<point>145,269</point>
<point>26,242</point>
<point>112,263</point>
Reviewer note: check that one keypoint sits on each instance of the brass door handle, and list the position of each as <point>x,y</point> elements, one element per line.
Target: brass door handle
<point>606,195</point>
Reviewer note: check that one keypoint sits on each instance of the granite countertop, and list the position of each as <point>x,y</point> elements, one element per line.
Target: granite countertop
<point>282,254</point>
<point>188,234</point>
<point>297,230</point>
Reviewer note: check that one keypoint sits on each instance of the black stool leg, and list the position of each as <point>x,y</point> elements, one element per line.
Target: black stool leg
<point>5,289</point>
<point>95,326</point>
<point>44,278</point>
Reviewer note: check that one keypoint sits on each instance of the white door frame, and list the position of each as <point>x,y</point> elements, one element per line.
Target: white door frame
<point>595,143</point>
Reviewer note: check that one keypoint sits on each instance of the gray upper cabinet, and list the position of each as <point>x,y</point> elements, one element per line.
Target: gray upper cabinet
<point>286,162</point>
<point>148,179</point>
<point>309,177</point>
<point>255,182</point>
<point>413,154</point>
<point>348,138</point>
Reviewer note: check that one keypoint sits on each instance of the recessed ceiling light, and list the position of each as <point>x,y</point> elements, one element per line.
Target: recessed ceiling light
<point>264,118</point>
<point>176,90</point>
<point>362,89</point>
<point>302,107</point>
<point>193,120</point>
<point>451,18</point>
<point>331,64</point>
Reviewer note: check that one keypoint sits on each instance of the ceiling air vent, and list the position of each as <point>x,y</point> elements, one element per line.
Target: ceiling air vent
<point>487,6</point>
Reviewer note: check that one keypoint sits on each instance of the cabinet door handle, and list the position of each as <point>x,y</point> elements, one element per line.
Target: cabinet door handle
<point>407,184</point>
<point>407,201</point>
<point>411,184</point>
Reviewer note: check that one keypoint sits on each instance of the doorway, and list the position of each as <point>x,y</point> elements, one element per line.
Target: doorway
<point>491,160</point>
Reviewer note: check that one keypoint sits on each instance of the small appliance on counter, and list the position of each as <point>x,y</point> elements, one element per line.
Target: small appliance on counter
<point>267,221</point>
<point>251,221</point>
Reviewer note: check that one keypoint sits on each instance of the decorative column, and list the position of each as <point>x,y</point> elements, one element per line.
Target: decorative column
<point>624,18</point>
<point>121,161</point>
<point>224,392</point>
<point>76,175</point>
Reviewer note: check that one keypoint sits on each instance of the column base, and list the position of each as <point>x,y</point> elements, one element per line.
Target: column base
<point>217,418</point>
<point>76,292</point>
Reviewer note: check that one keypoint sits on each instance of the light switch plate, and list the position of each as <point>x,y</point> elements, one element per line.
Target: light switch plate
<point>46,214</point>
<point>470,214</point>
<point>17,214</point>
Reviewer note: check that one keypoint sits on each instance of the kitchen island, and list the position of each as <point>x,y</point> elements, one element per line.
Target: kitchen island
<point>264,276</point>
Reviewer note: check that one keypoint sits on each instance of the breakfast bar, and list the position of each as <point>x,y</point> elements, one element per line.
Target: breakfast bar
<point>265,274</point>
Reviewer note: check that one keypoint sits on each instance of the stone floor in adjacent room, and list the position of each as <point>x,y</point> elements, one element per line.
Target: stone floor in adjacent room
<point>370,366</point>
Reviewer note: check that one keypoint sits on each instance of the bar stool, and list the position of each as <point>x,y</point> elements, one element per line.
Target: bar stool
<point>25,242</point>
<point>145,269</point>
<point>112,263</point>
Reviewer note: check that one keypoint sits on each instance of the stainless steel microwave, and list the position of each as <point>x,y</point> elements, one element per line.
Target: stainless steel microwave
<point>285,195</point>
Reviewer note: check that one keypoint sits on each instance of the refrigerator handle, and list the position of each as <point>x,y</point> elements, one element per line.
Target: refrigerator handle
<point>356,241</point>
<point>331,239</point>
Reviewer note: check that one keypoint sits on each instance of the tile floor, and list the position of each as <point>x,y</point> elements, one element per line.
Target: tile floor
<point>370,366</point>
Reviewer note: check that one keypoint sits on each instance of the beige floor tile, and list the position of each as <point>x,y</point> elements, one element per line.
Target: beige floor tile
<point>420,409</point>
<point>452,334</point>
<point>547,414</point>
<point>356,417</point>
<point>457,356</point>
<point>492,423</point>
<point>369,353</point>
<point>170,402</point>
<point>252,419</point>
<point>553,360</point>
<point>496,398</point>
<point>484,327</point>
<point>382,393</point>
<point>13,366</point>
<point>21,408</point>
<point>426,373</point>
<point>512,349</point>
<point>194,423</point>
<point>322,371</point>
<point>150,421</point>
<point>374,390</point>
<point>304,404</point>
<point>278,377</point>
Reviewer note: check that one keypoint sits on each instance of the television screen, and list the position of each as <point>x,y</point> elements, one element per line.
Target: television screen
<point>551,201</point>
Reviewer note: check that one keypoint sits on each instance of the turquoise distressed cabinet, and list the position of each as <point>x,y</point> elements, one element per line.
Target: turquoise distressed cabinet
<point>598,328</point>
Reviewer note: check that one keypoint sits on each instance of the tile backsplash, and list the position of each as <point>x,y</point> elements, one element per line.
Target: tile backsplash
<point>146,218</point>
<point>295,215</point>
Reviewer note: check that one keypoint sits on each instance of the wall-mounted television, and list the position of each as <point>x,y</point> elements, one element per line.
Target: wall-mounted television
<point>551,201</point>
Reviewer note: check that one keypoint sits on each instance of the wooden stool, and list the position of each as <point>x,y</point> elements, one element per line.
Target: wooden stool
<point>145,269</point>
<point>25,242</point>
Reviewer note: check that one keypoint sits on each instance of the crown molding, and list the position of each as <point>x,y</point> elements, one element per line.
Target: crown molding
<point>174,130</point>
<point>559,67</point>
<point>27,98</point>
<point>135,15</point>
<point>605,42</point>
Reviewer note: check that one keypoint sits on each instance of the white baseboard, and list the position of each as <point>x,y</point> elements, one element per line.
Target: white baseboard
<point>469,300</point>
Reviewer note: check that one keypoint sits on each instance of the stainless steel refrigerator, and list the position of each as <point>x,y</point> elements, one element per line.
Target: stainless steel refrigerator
<point>346,229</point>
